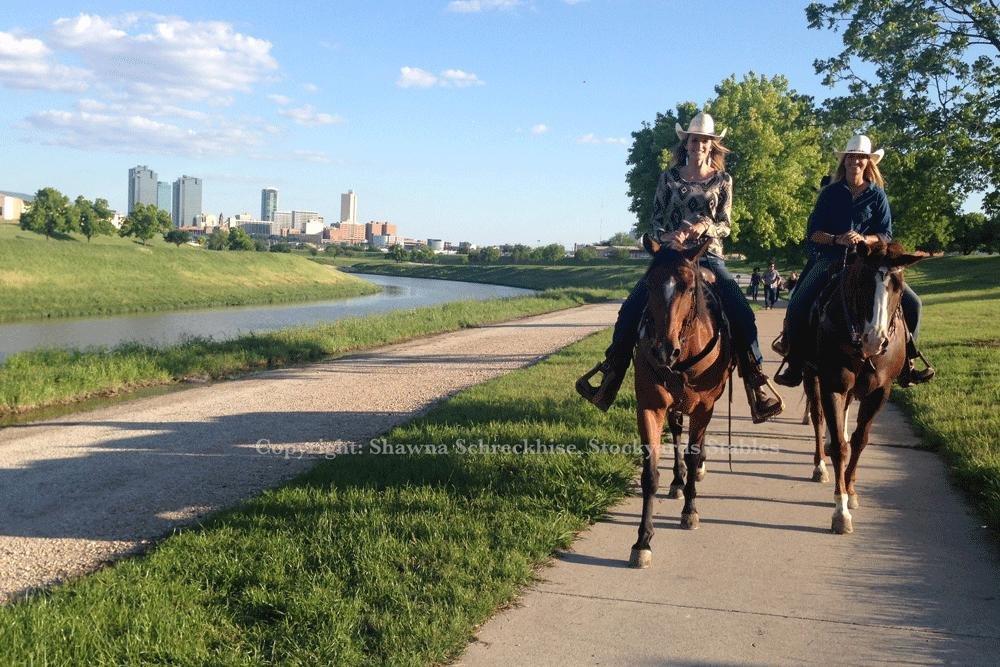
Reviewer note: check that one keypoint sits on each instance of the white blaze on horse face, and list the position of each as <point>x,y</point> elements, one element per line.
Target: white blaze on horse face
<point>877,328</point>
<point>668,290</point>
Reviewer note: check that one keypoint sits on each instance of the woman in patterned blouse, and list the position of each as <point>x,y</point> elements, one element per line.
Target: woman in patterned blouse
<point>693,200</point>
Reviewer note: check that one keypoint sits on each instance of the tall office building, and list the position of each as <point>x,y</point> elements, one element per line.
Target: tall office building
<point>164,197</point>
<point>268,204</point>
<point>349,207</point>
<point>141,186</point>
<point>187,200</point>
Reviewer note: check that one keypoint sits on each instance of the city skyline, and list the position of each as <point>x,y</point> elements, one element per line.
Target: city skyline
<point>492,121</point>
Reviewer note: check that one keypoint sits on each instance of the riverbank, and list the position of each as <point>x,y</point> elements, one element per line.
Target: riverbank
<point>49,278</point>
<point>38,379</point>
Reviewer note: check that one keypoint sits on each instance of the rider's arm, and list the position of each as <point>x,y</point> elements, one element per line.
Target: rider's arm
<point>657,223</point>
<point>879,225</point>
<point>721,226</point>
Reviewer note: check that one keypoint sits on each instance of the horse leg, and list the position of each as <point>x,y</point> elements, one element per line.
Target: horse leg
<point>811,386</point>
<point>840,452</point>
<point>650,428</point>
<point>694,457</point>
<point>870,406</point>
<point>676,423</point>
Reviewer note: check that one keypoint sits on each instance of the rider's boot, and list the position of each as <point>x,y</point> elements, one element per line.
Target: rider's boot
<point>910,375</point>
<point>762,406</point>
<point>613,369</point>
<point>791,375</point>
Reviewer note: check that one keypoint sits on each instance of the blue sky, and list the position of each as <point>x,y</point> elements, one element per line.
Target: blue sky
<point>509,123</point>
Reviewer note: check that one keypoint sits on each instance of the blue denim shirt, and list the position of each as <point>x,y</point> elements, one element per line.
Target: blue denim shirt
<point>836,213</point>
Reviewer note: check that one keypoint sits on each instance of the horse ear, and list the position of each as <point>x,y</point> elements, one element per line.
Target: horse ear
<point>651,245</point>
<point>903,260</point>
<point>694,253</point>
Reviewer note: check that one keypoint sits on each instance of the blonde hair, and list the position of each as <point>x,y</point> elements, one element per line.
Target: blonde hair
<point>872,173</point>
<point>717,158</point>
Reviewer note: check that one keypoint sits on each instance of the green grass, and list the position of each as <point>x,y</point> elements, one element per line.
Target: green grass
<point>367,559</point>
<point>957,412</point>
<point>60,278</point>
<point>39,378</point>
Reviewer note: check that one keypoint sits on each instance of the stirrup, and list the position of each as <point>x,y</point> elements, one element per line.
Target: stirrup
<point>773,411</point>
<point>780,345</point>
<point>583,386</point>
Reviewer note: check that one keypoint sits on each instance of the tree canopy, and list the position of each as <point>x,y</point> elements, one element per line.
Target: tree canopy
<point>145,221</point>
<point>50,214</point>
<point>94,216</point>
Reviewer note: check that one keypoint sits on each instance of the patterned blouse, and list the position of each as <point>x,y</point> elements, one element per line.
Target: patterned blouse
<point>680,203</point>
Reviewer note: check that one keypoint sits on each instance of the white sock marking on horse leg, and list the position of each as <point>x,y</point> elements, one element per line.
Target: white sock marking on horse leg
<point>847,417</point>
<point>841,503</point>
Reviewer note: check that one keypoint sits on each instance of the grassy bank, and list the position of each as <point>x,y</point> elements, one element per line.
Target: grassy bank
<point>40,378</point>
<point>957,412</point>
<point>368,559</point>
<point>71,277</point>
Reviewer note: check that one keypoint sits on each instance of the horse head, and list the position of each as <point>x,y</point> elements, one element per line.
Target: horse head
<point>674,283</point>
<point>872,289</point>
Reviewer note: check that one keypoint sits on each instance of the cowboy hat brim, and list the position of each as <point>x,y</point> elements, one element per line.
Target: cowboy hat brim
<point>683,135</point>
<point>875,157</point>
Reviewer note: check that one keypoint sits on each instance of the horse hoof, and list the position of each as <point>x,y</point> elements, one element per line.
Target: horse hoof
<point>675,491</point>
<point>700,473</point>
<point>852,501</point>
<point>689,521</point>
<point>820,474</point>
<point>842,524</point>
<point>640,559</point>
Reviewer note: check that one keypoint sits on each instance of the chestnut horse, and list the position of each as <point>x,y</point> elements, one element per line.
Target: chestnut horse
<point>683,360</point>
<point>860,349</point>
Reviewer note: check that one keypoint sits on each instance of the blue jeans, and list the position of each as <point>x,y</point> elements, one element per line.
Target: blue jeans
<point>734,303</point>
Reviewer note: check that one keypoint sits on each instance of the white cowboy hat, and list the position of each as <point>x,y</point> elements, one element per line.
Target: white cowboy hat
<point>861,145</point>
<point>701,124</point>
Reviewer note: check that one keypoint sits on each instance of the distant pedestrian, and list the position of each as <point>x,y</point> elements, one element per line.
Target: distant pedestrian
<point>754,288</point>
<point>772,283</point>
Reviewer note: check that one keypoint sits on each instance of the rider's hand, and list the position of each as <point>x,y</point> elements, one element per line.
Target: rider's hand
<point>676,238</point>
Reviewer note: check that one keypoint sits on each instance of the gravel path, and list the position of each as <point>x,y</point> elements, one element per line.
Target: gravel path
<point>79,491</point>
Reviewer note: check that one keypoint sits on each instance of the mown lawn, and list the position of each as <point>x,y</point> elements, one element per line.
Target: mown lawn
<point>957,413</point>
<point>368,559</point>
<point>43,278</point>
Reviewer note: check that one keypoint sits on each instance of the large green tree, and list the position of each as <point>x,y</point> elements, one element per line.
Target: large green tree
<point>240,240</point>
<point>94,216</point>
<point>50,214</point>
<point>145,221</point>
<point>923,78</point>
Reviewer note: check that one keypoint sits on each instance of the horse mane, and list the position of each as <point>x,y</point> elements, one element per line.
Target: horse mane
<point>669,258</point>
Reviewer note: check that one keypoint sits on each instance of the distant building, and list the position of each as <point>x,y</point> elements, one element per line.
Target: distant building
<point>347,234</point>
<point>258,228</point>
<point>375,228</point>
<point>164,197</point>
<point>383,241</point>
<point>268,204</point>
<point>437,245</point>
<point>349,207</point>
<point>297,219</point>
<point>142,187</point>
<point>187,200</point>
<point>12,205</point>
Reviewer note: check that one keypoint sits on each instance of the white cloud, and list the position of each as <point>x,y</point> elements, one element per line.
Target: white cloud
<point>27,63</point>
<point>459,79</point>
<point>414,77</point>
<point>310,87</point>
<point>540,128</point>
<point>311,156</point>
<point>591,138</point>
<point>158,58</point>
<point>142,109</point>
<point>573,2</point>
<point>475,6</point>
<point>280,100</point>
<point>307,115</point>
<point>134,133</point>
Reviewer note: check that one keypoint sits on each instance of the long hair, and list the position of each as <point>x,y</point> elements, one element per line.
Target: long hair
<point>717,158</point>
<point>872,173</point>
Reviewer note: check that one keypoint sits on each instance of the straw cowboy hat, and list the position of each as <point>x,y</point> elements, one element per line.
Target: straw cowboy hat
<point>861,145</point>
<point>701,124</point>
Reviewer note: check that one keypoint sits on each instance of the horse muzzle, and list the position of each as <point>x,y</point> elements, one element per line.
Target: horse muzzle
<point>874,344</point>
<point>665,353</point>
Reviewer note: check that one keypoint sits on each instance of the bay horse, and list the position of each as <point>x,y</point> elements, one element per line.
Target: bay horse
<point>860,349</point>
<point>683,360</point>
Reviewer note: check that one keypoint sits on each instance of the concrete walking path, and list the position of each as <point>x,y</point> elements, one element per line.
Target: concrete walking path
<point>78,491</point>
<point>763,580</point>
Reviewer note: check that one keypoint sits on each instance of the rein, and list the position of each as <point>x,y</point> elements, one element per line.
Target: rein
<point>853,330</point>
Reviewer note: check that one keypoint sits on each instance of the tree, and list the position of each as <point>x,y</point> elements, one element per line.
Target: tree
<point>520,253</point>
<point>489,255</point>
<point>398,253</point>
<point>177,237</point>
<point>931,100</point>
<point>94,217</point>
<point>50,214</point>
<point>585,254</point>
<point>622,238</point>
<point>218,239</point>
<point>239,240</point>
<point>552,253</point>
<point>145,221</point>
<point>281,247</point>
<point>618,255</point>
<point>422,254</point>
